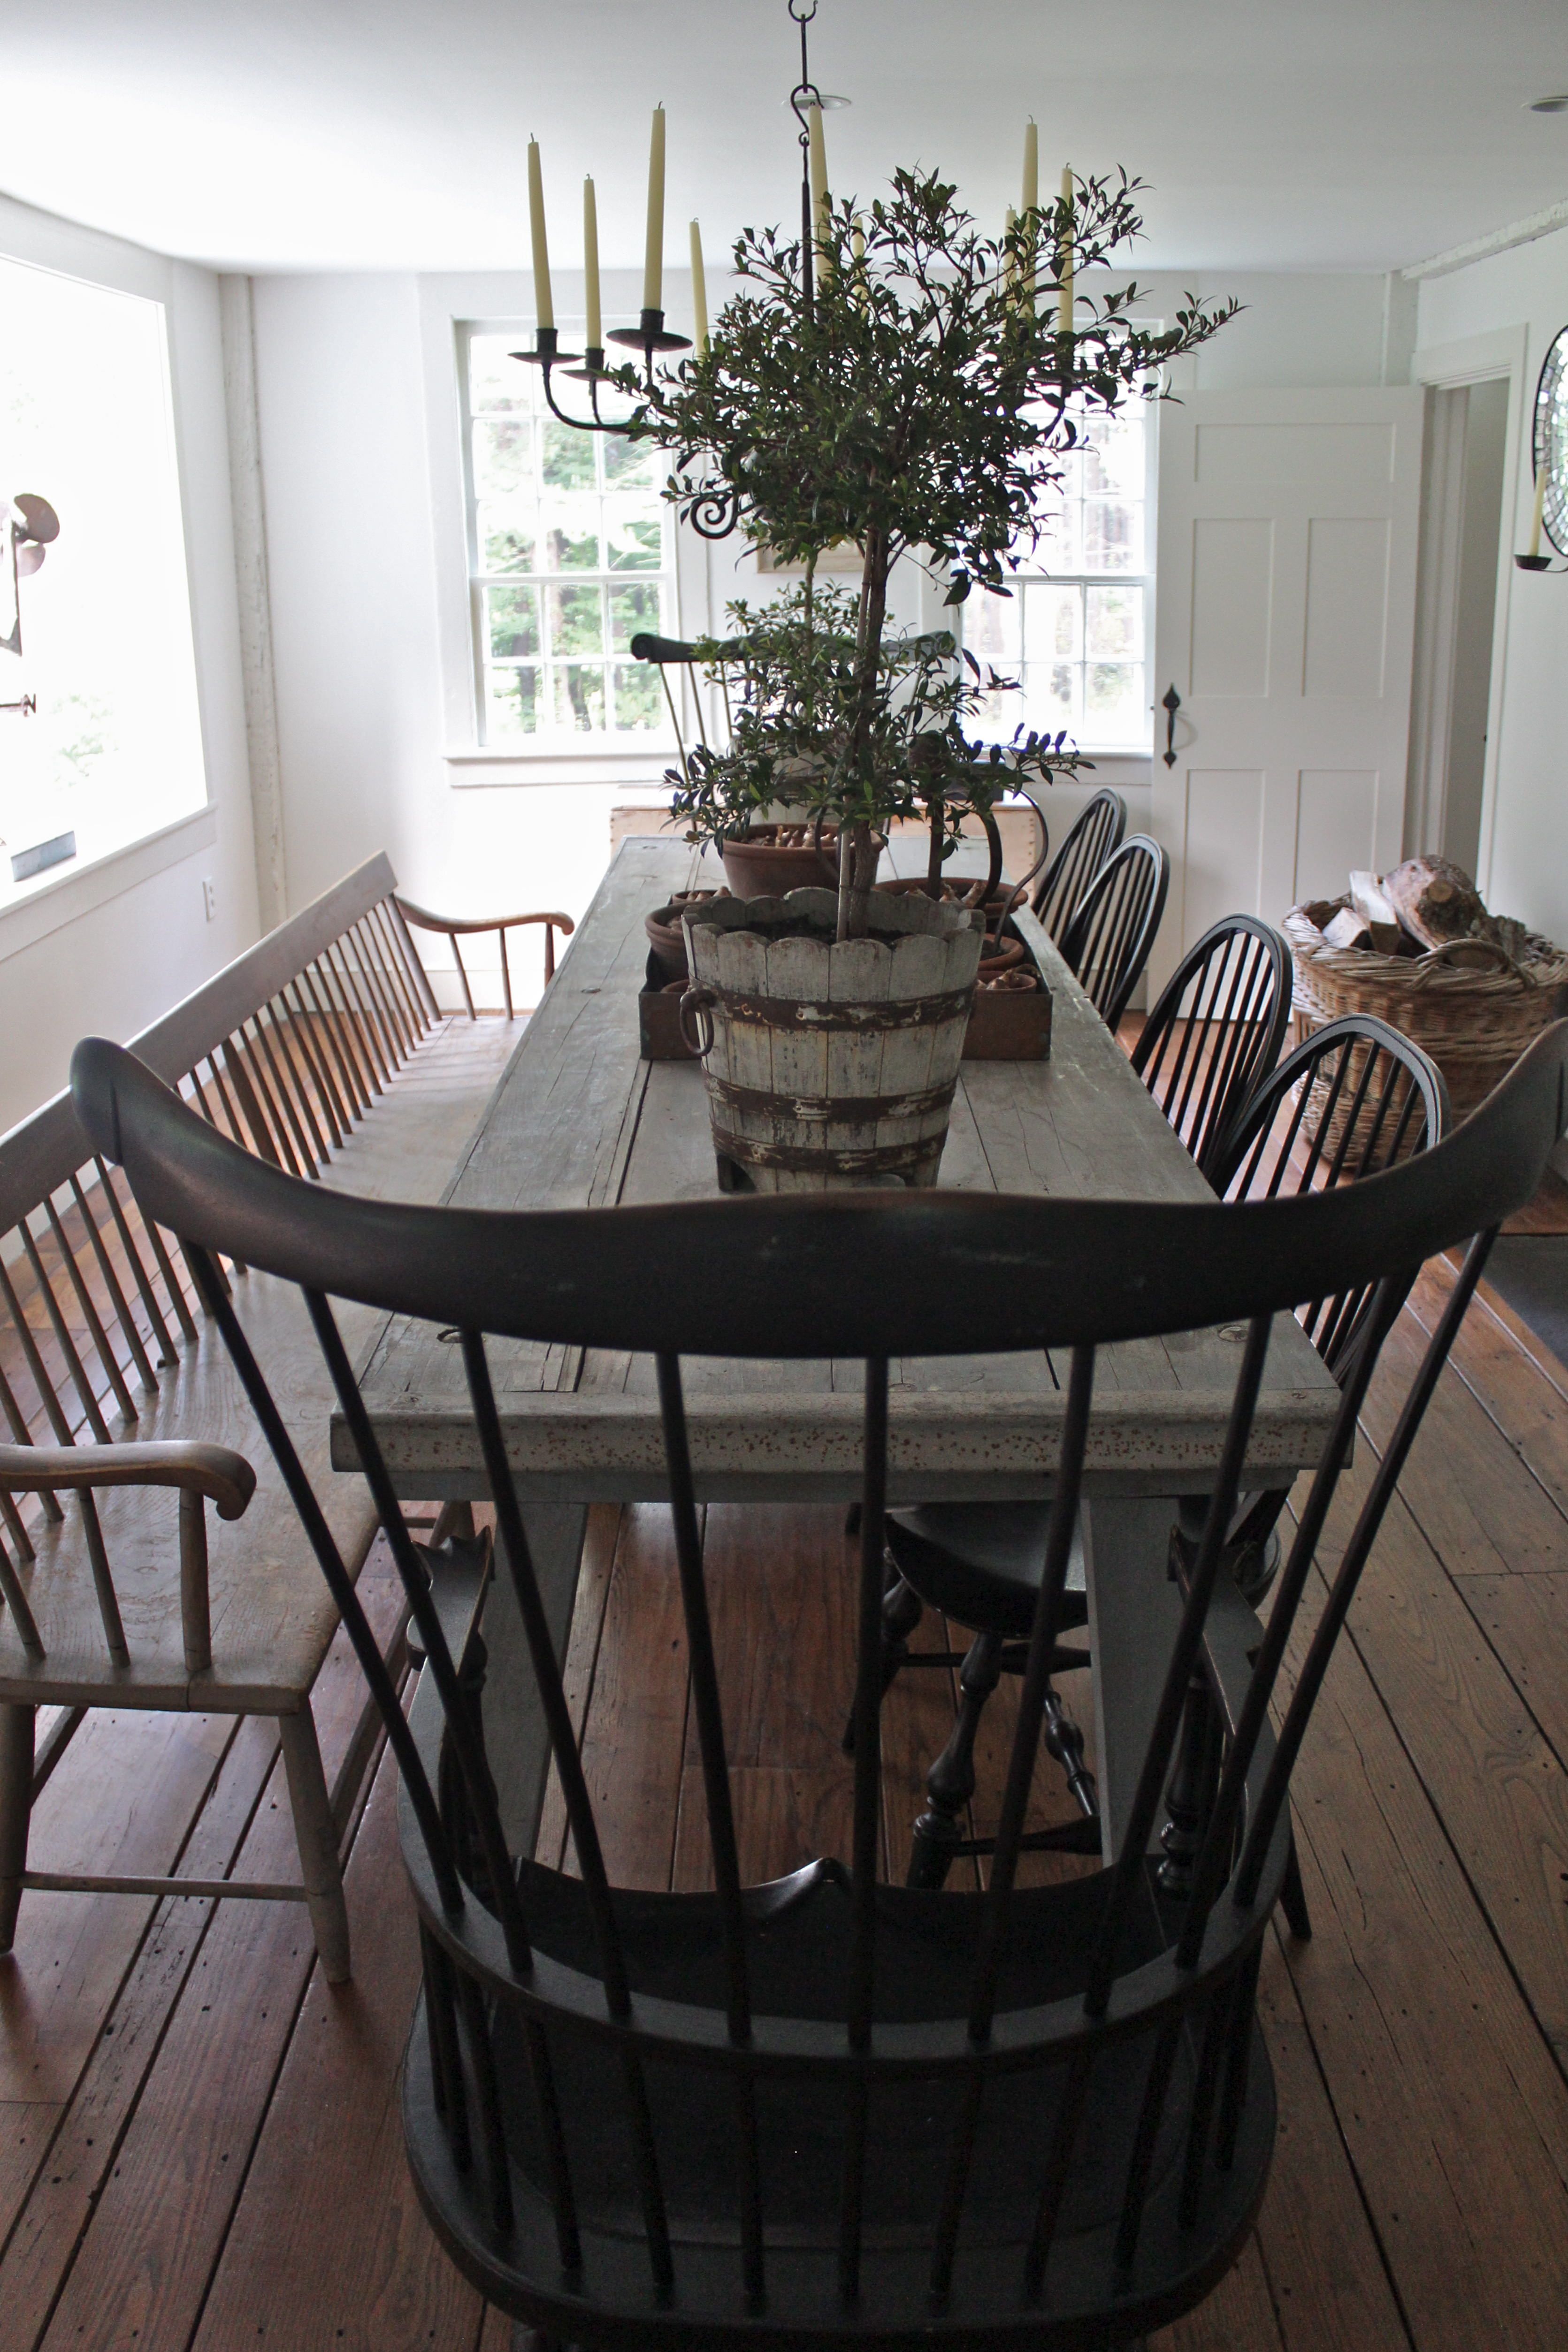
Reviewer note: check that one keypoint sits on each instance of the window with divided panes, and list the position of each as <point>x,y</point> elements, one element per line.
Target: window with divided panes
<point>1075,630</point>
<point>571,555</point>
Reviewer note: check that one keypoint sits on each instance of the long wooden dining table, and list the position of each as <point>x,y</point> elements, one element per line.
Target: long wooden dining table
<point>579,1119</point>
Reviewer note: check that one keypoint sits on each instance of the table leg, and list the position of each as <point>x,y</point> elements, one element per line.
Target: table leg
<point>1133,1611</point>
<point>515,1737</point>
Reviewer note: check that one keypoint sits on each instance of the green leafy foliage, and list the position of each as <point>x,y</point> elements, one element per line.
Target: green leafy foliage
<point>906,387</point>
<point>791,682</point>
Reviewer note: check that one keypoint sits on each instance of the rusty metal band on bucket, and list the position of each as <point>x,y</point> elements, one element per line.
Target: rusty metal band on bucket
<point>790,1013</point>
<point>875,1159</point>
<point>856,1110</point>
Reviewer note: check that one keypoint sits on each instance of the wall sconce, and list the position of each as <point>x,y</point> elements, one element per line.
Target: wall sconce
<point>1549,456</point>
<point>31,526</point>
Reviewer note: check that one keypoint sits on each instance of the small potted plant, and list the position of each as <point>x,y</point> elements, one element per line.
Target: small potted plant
<point>907,384</point>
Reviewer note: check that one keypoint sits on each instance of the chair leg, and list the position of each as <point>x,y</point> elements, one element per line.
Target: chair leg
<point>1189,1800</point>
<point>317,1843</point>
<point>949,1783</point>
<point>1293,1898</point>
<point>17,1728</point>
<point>901,1612</point>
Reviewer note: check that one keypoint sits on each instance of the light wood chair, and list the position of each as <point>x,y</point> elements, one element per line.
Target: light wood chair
<point>322,1052</point>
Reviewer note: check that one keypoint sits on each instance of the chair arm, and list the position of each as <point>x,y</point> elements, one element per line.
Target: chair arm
<point>224,1477</point>
<point>454,927</point>
<point>424,920</point>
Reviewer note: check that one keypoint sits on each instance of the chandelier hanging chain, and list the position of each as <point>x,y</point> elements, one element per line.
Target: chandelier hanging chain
<point>802,97</point>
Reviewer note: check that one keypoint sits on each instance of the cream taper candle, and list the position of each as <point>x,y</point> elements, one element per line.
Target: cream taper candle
<point>1064,318</point>
<point>653,261</point>
<point>820,198</point>
<point>591,266</point>
<point>1542,472</point>
<point>543,308</point>
<point>698,290</point>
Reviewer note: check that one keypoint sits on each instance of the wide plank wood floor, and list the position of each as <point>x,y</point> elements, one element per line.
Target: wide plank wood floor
<point>200,2144</point>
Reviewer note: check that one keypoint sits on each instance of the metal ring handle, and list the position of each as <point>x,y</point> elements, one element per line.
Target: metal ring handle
<point>696,1002</point>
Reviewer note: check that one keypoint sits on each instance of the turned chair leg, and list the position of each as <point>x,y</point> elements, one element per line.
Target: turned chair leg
<point>16,1726</point>
<point>318,1842</point>
<point>901,1612</point>
<point>949,1783</point>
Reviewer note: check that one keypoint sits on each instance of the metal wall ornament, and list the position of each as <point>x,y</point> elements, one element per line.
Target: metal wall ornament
<point>31,526</point>
<point>1548,461</point>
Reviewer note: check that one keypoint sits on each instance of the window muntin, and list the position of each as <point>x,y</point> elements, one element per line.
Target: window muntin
<point>113,751</point>
<point>1075,629</point>
<point>571,556</point>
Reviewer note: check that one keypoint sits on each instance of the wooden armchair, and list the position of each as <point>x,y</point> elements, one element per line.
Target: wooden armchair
<point>73,1638</point>
<point>454,927</point>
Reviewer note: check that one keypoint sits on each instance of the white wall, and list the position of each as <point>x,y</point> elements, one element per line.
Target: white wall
<point>1524,845</point>
<point>108,948</point>
<point>358,420</point>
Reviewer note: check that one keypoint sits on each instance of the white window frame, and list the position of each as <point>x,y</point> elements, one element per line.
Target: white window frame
<point>102,869</point>
<point>549,740</point>
<point>1029,572</point>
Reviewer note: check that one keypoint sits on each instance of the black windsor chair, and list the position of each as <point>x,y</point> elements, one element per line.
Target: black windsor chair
<point>1096,835</point>
<point>1363,1097</point>
<point>1217,1030</point>
<point>827,2112</point>
<point>1107,944</point>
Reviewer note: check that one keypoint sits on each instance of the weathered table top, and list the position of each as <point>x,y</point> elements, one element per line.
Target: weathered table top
<point>579,1119</point>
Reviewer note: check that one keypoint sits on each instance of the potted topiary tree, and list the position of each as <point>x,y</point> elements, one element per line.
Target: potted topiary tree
<point>790,680</point>
<point>907,384</point>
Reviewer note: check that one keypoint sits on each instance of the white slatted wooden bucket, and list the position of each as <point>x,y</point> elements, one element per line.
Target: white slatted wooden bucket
<point>831,1062</point>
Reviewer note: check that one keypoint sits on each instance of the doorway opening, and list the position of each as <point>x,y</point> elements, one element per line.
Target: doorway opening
<point>1455,618</point>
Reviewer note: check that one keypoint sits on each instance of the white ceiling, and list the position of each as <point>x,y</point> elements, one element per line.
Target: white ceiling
<point>315,134</point>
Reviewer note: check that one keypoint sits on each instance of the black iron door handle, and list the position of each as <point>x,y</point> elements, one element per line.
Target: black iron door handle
<point>1171,702</point>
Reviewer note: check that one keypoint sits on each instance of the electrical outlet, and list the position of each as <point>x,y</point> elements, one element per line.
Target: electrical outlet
<point>209,896</point>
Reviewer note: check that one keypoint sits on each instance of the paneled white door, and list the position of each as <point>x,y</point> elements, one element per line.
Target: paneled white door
<point>1288,525</point>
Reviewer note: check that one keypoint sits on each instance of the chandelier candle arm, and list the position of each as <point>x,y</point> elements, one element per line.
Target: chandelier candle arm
<point>544,306</point>
<point>653,264</point>
<point>698,291</point>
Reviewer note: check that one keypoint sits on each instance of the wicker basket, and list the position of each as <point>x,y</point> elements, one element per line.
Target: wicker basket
<point>1475,1023</point>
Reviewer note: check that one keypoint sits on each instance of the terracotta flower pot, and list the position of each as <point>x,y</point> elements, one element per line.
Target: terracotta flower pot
<point>770,859</point>
<point>828,1064</point>
<point>1000,956</point>
<point>666,936</point>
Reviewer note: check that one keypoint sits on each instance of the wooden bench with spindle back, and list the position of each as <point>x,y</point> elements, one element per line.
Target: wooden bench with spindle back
<point>324,1050</point>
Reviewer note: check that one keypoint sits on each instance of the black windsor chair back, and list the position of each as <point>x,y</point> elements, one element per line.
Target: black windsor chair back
<point>1217,1030</point>
<point>1355,1099</point>
<point>1096,835</point>
<point>827,2111</point>
<point>1107,944</point>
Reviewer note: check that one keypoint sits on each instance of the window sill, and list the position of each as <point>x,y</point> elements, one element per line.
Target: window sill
<point>572,763</point>
<point>63,897</point>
